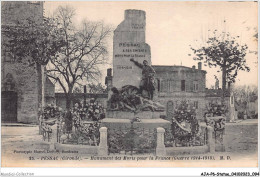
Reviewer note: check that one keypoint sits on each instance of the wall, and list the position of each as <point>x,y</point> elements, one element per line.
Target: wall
<point>27,79</point>
<point>168,89</point>
<point>26,86</point>
<point>176,100</point>
<point>79,97</point>
<point>170,78</point>
<point>49,92</point>
<point>19,11</point>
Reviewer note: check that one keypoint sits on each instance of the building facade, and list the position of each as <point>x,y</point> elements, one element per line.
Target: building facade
<point>180,83</point>
<point>20,83</point>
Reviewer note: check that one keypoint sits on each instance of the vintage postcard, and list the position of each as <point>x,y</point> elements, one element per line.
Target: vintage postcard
<point>129,84</point>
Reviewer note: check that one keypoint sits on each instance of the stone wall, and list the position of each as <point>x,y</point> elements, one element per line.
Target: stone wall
<point>79,97</point>
<point>49,92</point>
<point>27,79</point>
<point>170,79</point>
<point>20,11</point>
<point>26,86</point>
<point>200,109</point>
<point>169,87</point>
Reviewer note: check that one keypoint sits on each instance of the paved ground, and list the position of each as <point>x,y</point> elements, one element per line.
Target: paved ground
<point>242,137</point>
<point>26,138</point>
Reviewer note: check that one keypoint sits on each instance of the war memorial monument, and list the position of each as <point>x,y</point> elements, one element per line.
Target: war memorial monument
<point>154,113</point>
<point>133,77</point>
<point>134,121</point>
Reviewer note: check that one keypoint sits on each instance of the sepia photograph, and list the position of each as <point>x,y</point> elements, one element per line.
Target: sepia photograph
<point>129,84</point>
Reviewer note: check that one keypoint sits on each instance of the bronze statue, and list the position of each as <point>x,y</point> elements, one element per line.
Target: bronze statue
<point>148,81</point>
<point>127,99</point>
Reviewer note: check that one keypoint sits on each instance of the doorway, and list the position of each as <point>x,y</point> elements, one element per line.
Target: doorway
<point>9,106</point>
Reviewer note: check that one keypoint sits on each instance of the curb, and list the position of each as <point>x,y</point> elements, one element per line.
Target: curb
<point>17,125</point>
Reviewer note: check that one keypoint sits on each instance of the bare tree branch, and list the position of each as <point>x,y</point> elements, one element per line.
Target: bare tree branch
<point>84,52</point>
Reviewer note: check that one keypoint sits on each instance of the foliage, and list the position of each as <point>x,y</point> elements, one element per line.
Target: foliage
<point>245,93</point>
<point>83,133</point>
<point>91,111</point>
<point>184,112</point>
<point>85,122</point>
<point>35,41</point>
<point>224,51</point>
<point>216,109</point>
<point>85,50</point>
<point>51,111</point>
<point>243,96</point>
<point>47,118</point>
<point>131,140</point>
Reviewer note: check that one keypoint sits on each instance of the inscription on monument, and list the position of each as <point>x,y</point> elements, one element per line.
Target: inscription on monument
<point>129,42</point>
<point>138,26</point>
<point>124,67</point>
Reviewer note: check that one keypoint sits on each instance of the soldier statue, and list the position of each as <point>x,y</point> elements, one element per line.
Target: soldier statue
<point>148,81</point>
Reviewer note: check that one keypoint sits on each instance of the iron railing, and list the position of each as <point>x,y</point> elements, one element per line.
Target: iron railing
<point>125,140</point>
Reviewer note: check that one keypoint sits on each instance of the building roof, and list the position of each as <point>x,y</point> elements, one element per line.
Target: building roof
<point>169,68</point>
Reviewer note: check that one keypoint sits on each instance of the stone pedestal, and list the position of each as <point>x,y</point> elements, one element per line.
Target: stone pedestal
<point>130,115</point>
<point>211,140</point>
<point>103,148</point>
<point>54,137</point>
<point>126,123</point>
<point>160,148</point>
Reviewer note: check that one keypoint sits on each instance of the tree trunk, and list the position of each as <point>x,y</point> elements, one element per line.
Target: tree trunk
<point>69,98</point>
<point>68,115</point>
<point>68,102</point>
<point>43,86</point>
<point>224,78</point>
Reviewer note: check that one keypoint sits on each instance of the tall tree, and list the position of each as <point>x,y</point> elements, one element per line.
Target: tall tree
<point>84,52</point>
<point>32,41</point>
<point>224,51</point>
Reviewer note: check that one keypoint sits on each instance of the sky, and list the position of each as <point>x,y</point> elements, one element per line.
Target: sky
<point>171,27</point>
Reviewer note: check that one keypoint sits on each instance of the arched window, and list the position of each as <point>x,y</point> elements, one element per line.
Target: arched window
<point>9,84</point>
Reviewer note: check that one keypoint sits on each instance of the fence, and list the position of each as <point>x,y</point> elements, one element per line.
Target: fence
<point>85,133</point>
<point>128,140</point>
<point>131,140</point>
<point>175,137</point>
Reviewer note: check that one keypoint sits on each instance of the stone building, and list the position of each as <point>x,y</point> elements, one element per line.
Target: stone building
<point>181,83</point>
<point>20,83</point>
